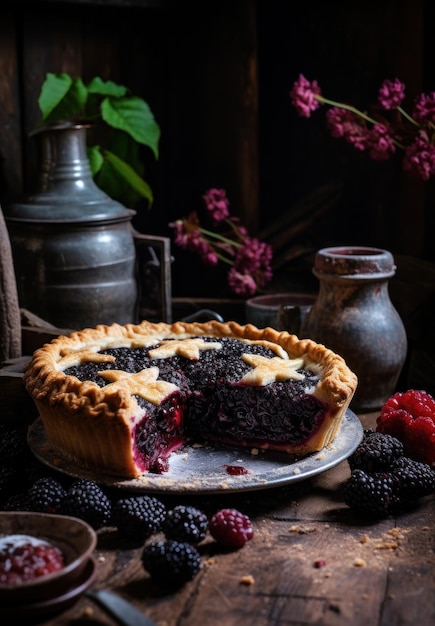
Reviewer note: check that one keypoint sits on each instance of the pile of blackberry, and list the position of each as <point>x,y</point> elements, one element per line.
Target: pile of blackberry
<point>18,467</point>
<point>82,498</point>
<point>383,479</point>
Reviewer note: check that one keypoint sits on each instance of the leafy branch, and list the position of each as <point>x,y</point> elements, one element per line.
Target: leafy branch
<point>117,168</point>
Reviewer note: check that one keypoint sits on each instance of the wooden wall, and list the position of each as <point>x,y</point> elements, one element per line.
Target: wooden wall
<point>217,76</point>
<point>349,48</point>
<point>204,101</point>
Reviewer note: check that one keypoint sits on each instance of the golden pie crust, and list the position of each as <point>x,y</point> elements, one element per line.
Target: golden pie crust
<point>92,426</point>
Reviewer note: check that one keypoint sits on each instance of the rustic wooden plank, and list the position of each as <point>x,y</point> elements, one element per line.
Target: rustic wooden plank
<point>100,44</point>
<point>10,130</point>
<point>213,108</point>
<point>10,322</point>
<point>288,588</point>
<point>230,60</point>
<point>366,571</point>
<point>410,591</point>
<point>51,42</point>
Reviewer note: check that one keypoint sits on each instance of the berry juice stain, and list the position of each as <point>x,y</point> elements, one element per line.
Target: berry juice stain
<point>235,470</point>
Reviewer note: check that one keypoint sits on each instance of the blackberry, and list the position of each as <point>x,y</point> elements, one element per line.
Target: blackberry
<point>17,502</point>
<point>138,517</point>
<point>14,449</point>
<point>373,494</point>
<point>11,481</point>
<point>376,452</point>
<point>46,495</point>
<point>415,479</point>
<point>185,523</point>
<point>230,527</point>
<point>171,563</point>
<point>86,500</point>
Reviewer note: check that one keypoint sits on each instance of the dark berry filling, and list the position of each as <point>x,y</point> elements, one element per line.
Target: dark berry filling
<point>281,413</point>
<point>159,433</point>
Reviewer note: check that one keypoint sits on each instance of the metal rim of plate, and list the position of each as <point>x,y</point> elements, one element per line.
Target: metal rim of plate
<point>204,469</point>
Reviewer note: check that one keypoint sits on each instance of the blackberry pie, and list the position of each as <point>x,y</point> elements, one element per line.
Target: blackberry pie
<point>120,399</point>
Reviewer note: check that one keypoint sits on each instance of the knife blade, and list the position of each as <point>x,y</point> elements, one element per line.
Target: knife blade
<point>122,610</point>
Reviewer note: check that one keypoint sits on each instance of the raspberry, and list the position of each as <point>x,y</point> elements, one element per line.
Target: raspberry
<point>46,495</point>
<point>410,416</point>
<point>86,500</point>
<point>415,480</point>
<point>376,452</point>
<point>138,517</point>
<point>171,563</point>
<point>230,527</point>
<point>372,494</point>
<point>185,523</point>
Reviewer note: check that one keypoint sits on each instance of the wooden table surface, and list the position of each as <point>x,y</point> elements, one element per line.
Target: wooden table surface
<point>378,573</point>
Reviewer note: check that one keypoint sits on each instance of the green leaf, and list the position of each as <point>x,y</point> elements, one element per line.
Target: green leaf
<point>61,97</point>
<point>134,116</point>
<point>108,88</point>
<point>126,148</point>
<point>110,181</point>
<point>95,159</point>
<point>130,176</point>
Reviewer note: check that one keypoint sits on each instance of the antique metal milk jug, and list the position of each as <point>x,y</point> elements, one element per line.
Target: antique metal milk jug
<point>73,246</point>
<point>354,316</point>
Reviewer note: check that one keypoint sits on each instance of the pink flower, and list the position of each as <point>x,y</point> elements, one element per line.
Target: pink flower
<point>242,284</point>
<point>253,259</point>
<point>342,123</point>
<point>253,255</point>
<point>419,159</point>
<point>249,258</point>
<point>193,241</point>
<point>391,94</point>
<point>380,136</point>
<point>424,109</point>
<point>380,143</point>
<point>303,96</point>
<point>217,203</point>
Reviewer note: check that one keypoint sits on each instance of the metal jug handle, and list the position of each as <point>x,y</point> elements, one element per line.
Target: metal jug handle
<point>154,276</point>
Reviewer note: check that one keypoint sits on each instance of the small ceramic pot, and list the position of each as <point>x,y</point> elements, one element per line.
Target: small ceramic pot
<point>283,311</point>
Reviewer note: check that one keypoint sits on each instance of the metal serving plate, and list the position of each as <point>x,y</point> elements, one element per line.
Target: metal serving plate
<point>205,469</point>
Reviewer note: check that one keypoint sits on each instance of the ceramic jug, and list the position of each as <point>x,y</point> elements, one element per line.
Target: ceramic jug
<point>353,315</point>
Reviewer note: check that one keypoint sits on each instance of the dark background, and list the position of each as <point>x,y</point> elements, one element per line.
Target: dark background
<point>217,76</point>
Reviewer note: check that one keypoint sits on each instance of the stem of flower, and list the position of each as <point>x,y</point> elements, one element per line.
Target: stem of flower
<point>219,237</point>
<point>224,259</point>
<point>348,107</point>
<point>408,117</point>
